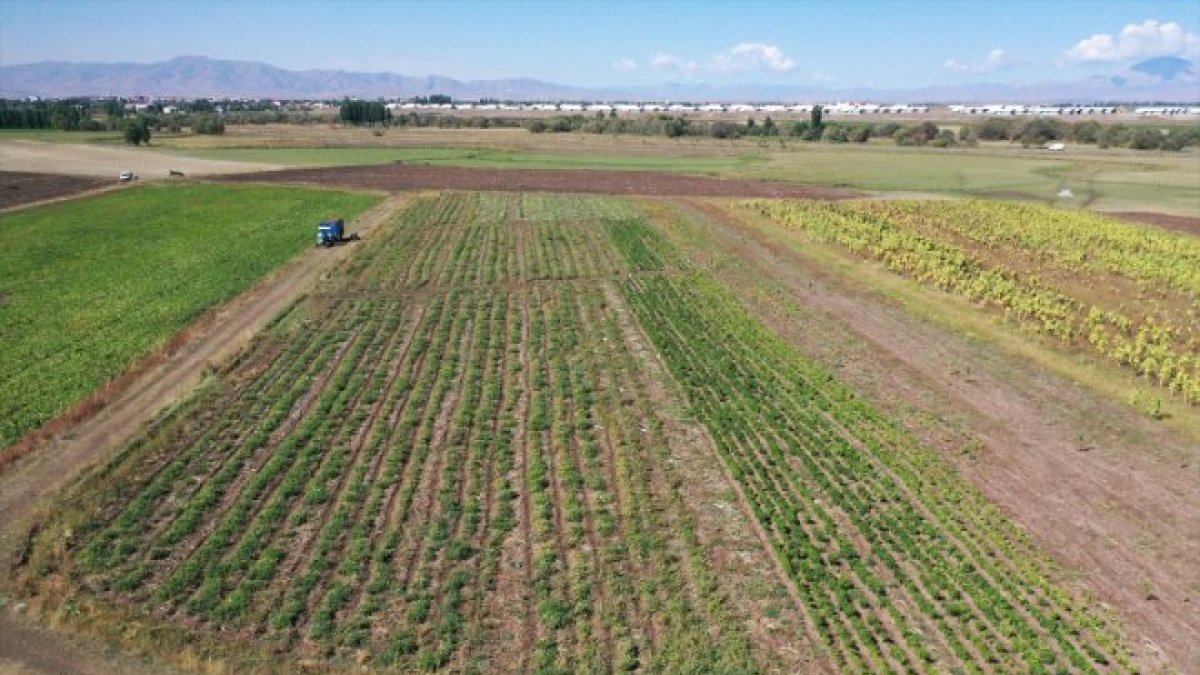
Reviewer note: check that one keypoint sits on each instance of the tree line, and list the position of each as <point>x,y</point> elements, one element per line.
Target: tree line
<point>1037,131</point>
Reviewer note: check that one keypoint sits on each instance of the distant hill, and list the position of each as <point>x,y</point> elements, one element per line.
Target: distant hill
<point>197,76</point>
<point>1162,79</point>
<point>1165,67</point>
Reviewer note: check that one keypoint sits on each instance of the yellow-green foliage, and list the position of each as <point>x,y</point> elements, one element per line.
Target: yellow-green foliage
<point>1127,293</point>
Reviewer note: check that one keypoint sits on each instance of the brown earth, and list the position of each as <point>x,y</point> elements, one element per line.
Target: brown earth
<point>19,188</point>
<point>26,649</point>
<point>1106,492</point>
<point>1188,224</point>
<point>393,177</point>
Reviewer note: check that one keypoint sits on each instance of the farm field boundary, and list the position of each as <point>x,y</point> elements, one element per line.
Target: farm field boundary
<point>90,287</point>
<point>1032,441</point>
<point>445,457</point>
<point>96,433</point>
<point>448,456</point>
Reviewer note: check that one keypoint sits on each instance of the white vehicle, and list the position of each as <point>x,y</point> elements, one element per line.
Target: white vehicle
<point>126,176</point>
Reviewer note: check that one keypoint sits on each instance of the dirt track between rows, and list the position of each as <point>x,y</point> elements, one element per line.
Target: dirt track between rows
<point>1106,492</point>
<point>1188,224</point>
<point>396,177</point>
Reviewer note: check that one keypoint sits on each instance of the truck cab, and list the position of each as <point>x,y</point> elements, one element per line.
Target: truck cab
<point>330,232</point>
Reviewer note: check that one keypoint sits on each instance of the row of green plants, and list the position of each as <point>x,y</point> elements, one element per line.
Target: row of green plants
<point>355,484</point>
<point>489,238</point>
<point>901,566</point>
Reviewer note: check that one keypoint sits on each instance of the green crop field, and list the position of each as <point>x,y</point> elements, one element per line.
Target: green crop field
<point>89,287</point>
<point>497,440</point>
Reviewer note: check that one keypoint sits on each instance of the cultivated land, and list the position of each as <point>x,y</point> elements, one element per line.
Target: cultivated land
<point>127,272</point>
<point>564,430</point>
<point>18,188</point>
<point>459,451</point>
<point>1101,180</point>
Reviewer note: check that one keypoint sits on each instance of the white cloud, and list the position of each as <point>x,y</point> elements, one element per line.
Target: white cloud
<point>625,65</point>
<point>672,62</point>
<point>744,57</point>
<point>996,59</point>
<point>1144,40</point>
<point>823,77</point>
<point>753,56</point>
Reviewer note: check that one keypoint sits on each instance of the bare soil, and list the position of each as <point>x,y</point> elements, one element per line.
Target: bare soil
<point>19,188</point>
<point>395,177</point>
<point>1109,494</point>
<point>26,649</point>
<point>107,162</point>
<point>1188,224</point>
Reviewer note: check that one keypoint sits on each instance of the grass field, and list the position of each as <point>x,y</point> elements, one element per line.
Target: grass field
<point>460,455</point>
<point>89,287</point>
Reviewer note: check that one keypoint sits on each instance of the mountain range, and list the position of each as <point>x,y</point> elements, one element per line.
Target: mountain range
<point>1162,79</point>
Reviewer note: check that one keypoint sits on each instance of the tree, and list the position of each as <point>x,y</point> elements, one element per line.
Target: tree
<point>207,124</point>
<point>814,118</point>
<point>137,131</point>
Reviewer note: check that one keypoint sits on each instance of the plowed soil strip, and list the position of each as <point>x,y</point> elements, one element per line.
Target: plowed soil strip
<point>395,177</point>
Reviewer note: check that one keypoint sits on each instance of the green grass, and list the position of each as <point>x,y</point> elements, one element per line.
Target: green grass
<point>56,136</point>
<point>88,287</point>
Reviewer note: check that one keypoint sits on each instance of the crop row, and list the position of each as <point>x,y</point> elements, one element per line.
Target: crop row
<point>997,260</point>
<point>900,565</point>
<point>444,480</point>
<point>481,239</point>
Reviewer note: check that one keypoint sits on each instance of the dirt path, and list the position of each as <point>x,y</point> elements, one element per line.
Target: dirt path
<point>1109,494</point>
<point>50,468</point>
<point>30,650</point>
<point>1188,224</point>
<point>106,162</point>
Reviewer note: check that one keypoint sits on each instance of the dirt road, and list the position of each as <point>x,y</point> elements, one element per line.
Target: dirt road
<point>28,649</point>
<point>106,162</point>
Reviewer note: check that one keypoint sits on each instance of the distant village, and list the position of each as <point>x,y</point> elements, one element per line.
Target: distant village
<point>849,109</point>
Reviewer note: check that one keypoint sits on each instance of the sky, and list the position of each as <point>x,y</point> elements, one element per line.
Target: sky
<point>884,43</point>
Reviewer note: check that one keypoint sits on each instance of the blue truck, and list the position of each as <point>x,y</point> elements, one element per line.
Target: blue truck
<point>333,232</point>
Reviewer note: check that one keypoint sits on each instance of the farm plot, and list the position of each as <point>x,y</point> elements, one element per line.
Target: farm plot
<point>900,566</point>
<point>453,457</point>
<point>89,287</point>
<point>428,472</point>
<point>1064,275</point>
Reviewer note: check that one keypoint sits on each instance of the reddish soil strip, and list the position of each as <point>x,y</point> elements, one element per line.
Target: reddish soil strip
<point>19,188</point>
<point>404,177</point>
<point>1188,224</point>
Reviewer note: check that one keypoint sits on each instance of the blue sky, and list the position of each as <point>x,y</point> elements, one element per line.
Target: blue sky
<point>881,44</point>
